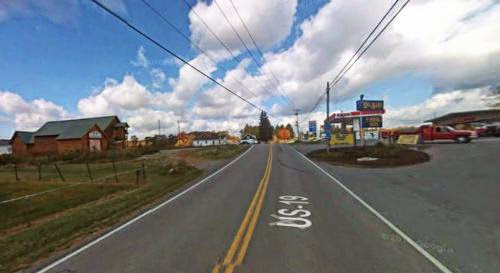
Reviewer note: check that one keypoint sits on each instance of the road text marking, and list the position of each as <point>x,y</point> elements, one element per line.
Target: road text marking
<point>294,218</point>
<point>394,228</point>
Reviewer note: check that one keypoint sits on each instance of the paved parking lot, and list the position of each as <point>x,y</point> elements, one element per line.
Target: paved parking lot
<point>449,205</point>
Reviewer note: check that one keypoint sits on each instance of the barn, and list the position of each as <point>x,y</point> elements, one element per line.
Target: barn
<point>63,136</point>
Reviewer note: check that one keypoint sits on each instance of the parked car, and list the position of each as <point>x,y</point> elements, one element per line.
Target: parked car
<point>489,130</point>
<point>431,132</point>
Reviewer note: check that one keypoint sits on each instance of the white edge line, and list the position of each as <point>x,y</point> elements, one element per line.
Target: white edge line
<point>38,193</point>
<point>83,248</point>
<point>409,240</point>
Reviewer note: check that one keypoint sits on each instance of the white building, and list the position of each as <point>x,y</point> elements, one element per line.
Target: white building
<point>209,142</point>
<point>5,147</point>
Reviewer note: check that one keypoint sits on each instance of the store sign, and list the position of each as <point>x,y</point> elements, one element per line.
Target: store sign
<point>408,139</point>
<point>342,139</point>
<point>369,105</point>
<point>95,135</point>
<point>371,122</point>
<point>312,126</point>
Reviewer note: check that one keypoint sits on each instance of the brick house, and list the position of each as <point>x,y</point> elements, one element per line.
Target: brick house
<point>84,135</point>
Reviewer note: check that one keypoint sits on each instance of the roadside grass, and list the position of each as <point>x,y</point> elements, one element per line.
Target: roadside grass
<point>25,211</point>
<point>98,206</point>
<point>33,229</point>
<point>218,152</point>
<point>391,155</point>
<point>73,172</point>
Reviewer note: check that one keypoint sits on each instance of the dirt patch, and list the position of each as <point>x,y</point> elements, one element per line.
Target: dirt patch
<point>377,156</point>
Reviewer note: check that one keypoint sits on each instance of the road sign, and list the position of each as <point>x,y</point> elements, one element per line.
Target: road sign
<point>312,126</point>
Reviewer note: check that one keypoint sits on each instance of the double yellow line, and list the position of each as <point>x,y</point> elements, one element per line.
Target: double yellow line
<point>239,246</point>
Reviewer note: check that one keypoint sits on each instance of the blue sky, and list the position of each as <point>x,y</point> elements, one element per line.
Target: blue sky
<point>66,54</point>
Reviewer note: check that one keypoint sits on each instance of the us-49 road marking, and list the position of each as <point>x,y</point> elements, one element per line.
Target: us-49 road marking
<point>295,217</point>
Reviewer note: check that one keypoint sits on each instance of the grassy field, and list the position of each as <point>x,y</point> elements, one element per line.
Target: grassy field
<point>387,156</point>
<point>65,212</point>
<point>34,228</point>
<point>70,172</point>
<point>20,214</point>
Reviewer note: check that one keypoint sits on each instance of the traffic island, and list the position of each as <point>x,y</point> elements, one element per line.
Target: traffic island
<point>377,156</point>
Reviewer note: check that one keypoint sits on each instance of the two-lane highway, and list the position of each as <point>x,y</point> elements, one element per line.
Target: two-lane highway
<point>270,210</point>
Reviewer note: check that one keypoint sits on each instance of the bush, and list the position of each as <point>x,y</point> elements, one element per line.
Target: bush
<point>175,168</point>
<point>7,159</point>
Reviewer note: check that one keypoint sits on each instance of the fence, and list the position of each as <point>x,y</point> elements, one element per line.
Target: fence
<point>109,172</point>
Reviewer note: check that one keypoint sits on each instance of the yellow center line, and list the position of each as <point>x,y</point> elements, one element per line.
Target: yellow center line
<point>242,239</point>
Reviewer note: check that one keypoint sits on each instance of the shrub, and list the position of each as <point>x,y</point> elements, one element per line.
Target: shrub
<point>175,168</point>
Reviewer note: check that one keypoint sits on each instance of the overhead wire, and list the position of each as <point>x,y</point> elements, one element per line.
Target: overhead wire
<point>143,34</point>
<point>261,54</point>
<point>224,45</point>
<point>252,56</point>
<point>349,65</point>
<point>173,26</point>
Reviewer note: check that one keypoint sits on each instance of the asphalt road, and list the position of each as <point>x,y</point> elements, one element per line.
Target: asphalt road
<point>277,212</point>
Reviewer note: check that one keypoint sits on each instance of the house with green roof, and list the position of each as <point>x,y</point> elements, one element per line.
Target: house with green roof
<point>63,136</point>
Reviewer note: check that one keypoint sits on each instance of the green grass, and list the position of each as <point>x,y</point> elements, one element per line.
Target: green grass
<point>25,211</point>
<point>219,152</point>
<point>76,172</point>
<point>92,213</point>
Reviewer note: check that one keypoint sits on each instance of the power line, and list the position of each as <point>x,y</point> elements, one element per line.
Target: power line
<point>347,67</point>
<point>235,57</point>
<point>189,40</point>
<point>239,37</point>
<point>124,21</point>
<point>260,52</point>
<point>366,40</point>
<point>374,39</point>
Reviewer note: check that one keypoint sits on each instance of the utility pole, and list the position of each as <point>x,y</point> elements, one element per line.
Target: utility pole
<point>159,128</point>
<point>328,114</point>
<point>297,123</point>
<point>178,127</point>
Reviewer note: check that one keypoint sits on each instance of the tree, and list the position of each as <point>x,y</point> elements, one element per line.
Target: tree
<point>283,134</point>
<point>250,130</point>
<point>290,128</point>
<point>265,128</point>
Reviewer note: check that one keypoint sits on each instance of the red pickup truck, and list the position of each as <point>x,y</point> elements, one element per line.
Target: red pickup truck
<point>430,132</point>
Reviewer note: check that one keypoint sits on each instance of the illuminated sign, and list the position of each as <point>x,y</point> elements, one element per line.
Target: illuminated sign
<point>371,121</point>
<point>370,105</point>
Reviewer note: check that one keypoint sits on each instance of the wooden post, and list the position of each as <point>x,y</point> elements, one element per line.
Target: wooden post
<point>15,170</point>
<point>143,171</point>
<point>39,171</point>
<point>137,174</point>
<point>88,171</point>
<point>114,169</point>
<point>59,172</point>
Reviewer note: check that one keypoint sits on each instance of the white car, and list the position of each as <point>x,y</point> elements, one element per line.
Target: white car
<point>249,141</point>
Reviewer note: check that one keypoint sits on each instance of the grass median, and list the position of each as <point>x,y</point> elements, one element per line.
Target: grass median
<point>379,155</point>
